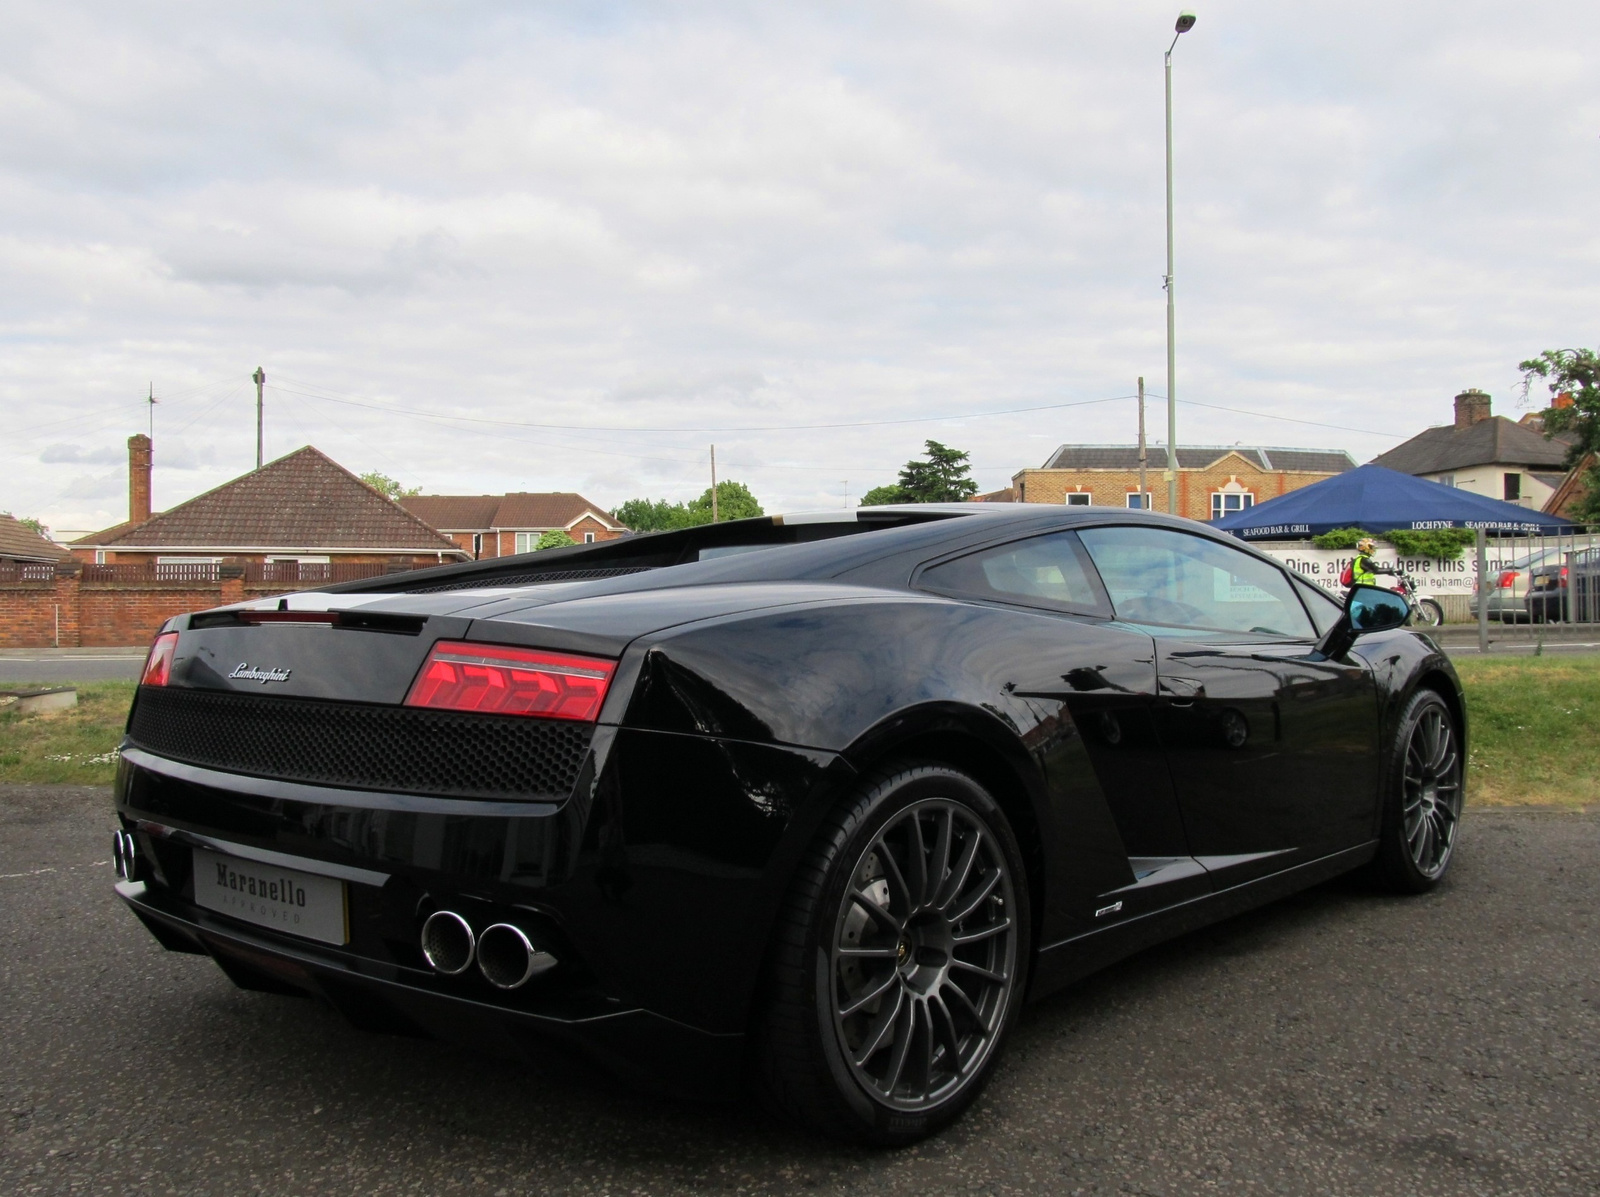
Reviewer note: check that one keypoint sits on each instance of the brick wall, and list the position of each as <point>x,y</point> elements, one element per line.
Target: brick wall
<point>103,614</point>
<point>1111,488</point>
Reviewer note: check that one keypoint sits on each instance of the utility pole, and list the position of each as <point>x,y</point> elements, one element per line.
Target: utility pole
<point>713,484</point>
<point>260,379</point>
<point>1185,23</point>
<point>152,401</point>
<point>1144,493</point>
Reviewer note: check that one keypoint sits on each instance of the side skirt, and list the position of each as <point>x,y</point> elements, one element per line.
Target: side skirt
<point>1060,964</point>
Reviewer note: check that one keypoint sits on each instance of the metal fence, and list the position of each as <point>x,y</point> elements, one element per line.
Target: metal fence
<point>1537,584</point>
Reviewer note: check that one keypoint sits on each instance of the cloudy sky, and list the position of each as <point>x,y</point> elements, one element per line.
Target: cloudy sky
<point>523,246</point>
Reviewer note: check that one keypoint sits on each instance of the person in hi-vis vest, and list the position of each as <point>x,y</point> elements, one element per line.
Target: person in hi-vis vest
<point>1364,570</point>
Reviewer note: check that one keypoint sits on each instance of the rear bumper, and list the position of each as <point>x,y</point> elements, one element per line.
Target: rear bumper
<point>637,1045</point>
<point>654,885</point>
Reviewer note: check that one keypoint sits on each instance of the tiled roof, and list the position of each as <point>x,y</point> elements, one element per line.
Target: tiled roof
<point>300,502</point>
<point>1199,457</point>
<point>1573,488</point>
<point>21,543</point>
<point>533,511</point>
<point>1497,439</point>
<point>456,513</point>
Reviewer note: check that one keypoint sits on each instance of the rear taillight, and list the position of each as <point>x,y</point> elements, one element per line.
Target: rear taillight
<point>158,665</point>
<point>1563,581</point>
<point>494,679</point>
<point>1508,579</point>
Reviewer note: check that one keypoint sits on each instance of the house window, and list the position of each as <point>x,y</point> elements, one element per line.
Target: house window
<point>477,545</point>
<point>1447,479</point>
<point>588,538</point>
<point>1080,498</point>
<point>99,556</point>
<point>527,541</point>
<point>1513,487</point>
<point>1224,502</point>
<point>1138,502</point>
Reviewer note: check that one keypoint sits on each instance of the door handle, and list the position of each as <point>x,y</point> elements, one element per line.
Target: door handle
<point>1182,690</point>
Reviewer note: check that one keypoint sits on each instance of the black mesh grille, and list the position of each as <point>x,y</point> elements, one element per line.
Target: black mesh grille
<point>531,578</point>
<point>364,747</point>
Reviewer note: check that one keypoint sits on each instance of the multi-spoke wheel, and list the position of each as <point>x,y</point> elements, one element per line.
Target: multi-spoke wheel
<point>901,960</point>
<point>1423,805</point>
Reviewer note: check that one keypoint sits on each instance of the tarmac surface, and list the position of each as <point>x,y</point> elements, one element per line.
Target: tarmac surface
<point>1338,1042</point>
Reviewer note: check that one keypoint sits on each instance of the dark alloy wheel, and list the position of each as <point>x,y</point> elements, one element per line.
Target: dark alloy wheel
<point>901,962</point>
<point>1422,809</point>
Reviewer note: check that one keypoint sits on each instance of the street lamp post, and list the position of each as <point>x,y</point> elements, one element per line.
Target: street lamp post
<point>1185,23</point>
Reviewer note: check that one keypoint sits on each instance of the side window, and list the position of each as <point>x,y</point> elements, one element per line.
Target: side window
<point>1156,576</point>
<point>1322,605</point>
<point>1043,571</point>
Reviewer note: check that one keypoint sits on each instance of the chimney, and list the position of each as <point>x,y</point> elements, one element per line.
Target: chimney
<point>1472,405</point>
<point>138,478</point>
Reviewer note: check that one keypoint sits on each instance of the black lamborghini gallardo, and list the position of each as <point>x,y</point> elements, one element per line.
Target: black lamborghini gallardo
<point>809,803</point>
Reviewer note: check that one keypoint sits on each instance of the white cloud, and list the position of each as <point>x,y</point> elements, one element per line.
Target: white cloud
<point>694,215</point>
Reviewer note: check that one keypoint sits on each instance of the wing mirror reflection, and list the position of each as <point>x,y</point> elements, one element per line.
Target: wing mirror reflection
<point>1366,609</point>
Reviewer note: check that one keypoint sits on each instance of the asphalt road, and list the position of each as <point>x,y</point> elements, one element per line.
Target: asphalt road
<point>45,668</point>
<point>1338,1042</point>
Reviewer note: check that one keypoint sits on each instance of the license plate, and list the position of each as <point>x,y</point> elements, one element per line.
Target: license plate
<point>272,896</point>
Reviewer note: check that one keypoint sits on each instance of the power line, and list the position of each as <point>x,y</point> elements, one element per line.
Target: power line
<point>1010,411</point>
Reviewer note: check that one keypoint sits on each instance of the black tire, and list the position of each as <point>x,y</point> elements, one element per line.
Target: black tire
<point>1424,787</point>
<point>1429,613</point>
<point>892,987</point>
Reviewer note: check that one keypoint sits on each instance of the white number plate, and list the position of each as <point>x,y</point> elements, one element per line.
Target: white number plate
<point>284,899</point>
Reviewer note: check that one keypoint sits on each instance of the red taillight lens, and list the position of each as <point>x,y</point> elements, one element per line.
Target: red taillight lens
<point>494,679</point>
<point>158,665</point>
<point>1508,579</point>
<point>1563,575</point>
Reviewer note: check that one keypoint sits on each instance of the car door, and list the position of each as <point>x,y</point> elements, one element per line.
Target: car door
<point>1104,673</point>
<point>1273,752</point>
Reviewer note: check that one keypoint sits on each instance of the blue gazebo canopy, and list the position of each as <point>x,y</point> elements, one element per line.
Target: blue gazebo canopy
<point>1381,500</point>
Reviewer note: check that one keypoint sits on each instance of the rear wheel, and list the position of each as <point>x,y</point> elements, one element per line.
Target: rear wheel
<point>1425,791</point>
<point>900,962</point>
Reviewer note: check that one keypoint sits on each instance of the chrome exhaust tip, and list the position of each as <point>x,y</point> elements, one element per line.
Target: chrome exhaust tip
<point>124,855</point>
<point>507,958</point>
<point>448,943</point>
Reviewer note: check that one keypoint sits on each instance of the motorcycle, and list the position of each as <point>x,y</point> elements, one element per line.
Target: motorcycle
<point>1425,612</point>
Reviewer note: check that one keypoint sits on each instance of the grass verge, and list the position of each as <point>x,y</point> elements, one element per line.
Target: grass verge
<point>1532,723</point>
<point>1532,742</point>
<point>77,746</point>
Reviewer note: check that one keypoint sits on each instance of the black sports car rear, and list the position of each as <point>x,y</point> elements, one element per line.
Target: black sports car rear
<point>816,801</point>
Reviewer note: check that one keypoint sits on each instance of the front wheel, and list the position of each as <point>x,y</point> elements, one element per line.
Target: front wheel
<point>1429,613</point>
<point>1423,796</point>
<point>900,961</point>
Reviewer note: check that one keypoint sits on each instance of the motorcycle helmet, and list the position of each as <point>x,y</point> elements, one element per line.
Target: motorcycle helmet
<point>1366,545</point>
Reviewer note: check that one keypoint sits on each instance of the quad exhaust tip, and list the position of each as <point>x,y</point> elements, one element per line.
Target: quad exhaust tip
<point>506,957</point>
<point>448,943</point>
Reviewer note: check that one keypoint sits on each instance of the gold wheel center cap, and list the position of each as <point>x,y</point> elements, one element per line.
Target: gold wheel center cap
<point>902,951</point>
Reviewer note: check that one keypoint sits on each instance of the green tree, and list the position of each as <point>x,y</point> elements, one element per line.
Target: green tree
<point>734,502</point>
<point>1573,373</point>
<point>940,478</point>
<point>880,496</point>
<point>33,525</point>
<point>388,487</point>
<point>554,539</point>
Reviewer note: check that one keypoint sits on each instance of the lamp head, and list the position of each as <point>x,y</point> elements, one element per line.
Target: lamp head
<point>1185,22</point>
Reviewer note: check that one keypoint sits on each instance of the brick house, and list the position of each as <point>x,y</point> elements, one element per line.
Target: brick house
<point>1486,454</point>
<point>21,545</point>
<point>1213,480</point>
<point>502,525</point>
<point>303,517</point>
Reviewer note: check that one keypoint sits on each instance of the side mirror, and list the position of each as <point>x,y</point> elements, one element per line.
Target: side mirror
<point>1367,609</point>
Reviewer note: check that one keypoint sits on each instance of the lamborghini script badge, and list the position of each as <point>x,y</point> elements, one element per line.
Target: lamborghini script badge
<point>246,672</point>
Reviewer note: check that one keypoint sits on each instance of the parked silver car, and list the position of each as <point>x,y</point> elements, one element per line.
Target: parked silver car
<point>1508,589</point>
